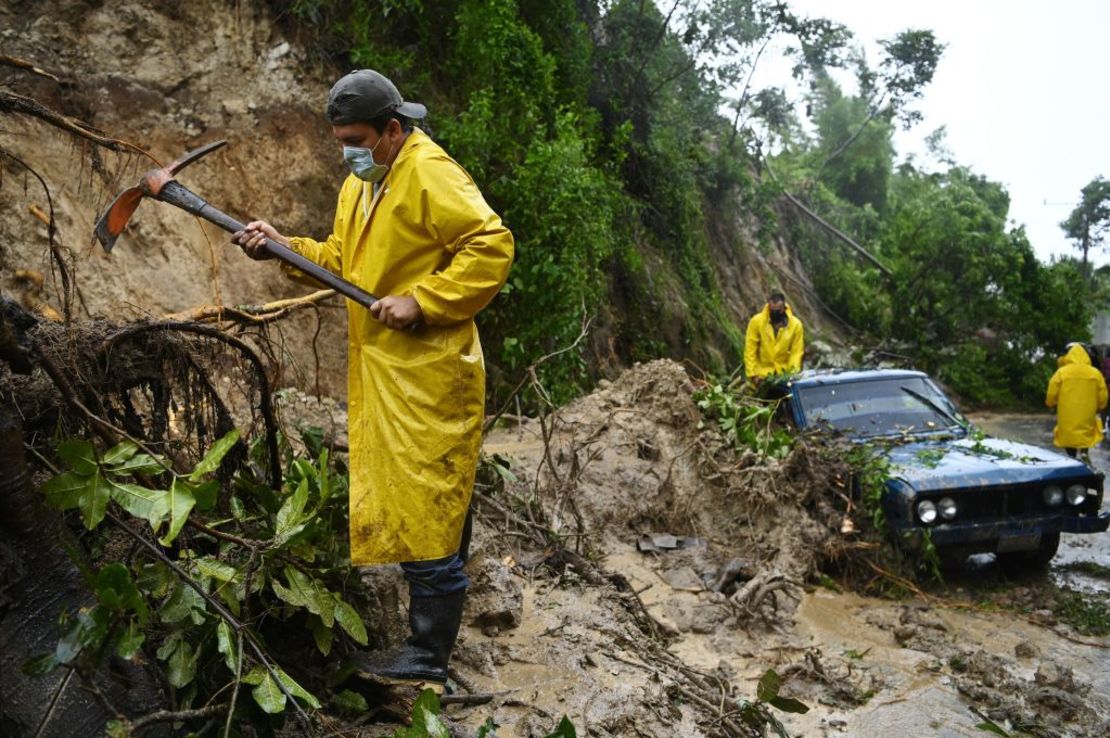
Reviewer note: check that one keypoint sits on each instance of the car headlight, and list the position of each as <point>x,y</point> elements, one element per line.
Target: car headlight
<point>1076,494</point>
<point>947,508</point>
<point>1053,496</point>
<point>926,512</point>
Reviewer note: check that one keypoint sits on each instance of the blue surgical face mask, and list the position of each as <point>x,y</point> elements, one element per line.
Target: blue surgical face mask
<point>362,164</point>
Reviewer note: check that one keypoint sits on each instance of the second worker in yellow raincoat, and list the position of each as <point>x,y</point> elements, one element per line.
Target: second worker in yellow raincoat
<point>1078,391</point>
<point>412,228</point>
<point>774,342</point>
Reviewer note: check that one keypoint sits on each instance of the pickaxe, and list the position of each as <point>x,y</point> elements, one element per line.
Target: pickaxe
<point>161,185</point>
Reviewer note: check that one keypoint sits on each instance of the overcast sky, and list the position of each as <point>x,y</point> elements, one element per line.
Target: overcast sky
<point>1023,89</point>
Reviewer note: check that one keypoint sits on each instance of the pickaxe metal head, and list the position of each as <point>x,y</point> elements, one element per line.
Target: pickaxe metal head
<point>115,218</point>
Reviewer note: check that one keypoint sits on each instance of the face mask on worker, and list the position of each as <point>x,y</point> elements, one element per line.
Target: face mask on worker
<point>362,164</point>
<point>778,314</point>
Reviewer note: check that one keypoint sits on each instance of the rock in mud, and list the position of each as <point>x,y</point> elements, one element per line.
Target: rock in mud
<point>495,601</point>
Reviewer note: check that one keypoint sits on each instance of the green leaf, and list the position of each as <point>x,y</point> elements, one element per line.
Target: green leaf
<point>130,641</point>
<point>255,675</point>
<point>227,645</point>
<point>88,628</point>
<point>323,479</point>
<point>350,702</point>
<point>79,455</point>
<point>349,620</point>
<point>181,604</point>
<point>313,438</point>
<point>94,500</point>
<point>151,505</point>
<point>40,665</point>
<point>291,515</point>
<point>487,729</point>
<point>115,590</point>
<point>64,491</point>
<point>769,684</point>
<point>117,729</point>
<point>304,591</point>
<point>231,598</point>
<point>182,666</point>
<point>425,718</point>
<point>323,635</point>
<point>181,503</point>
<point>89,492</point>
<point>212,459</point>
<point>269,696</point>
<point>297,690</point>
<point>139,464</point>
<point>120,453</point>
<point>565,730</point>
<point>206,493</point>
<point>168,646</point>
<point>789,704</point>
<point>214,569</point>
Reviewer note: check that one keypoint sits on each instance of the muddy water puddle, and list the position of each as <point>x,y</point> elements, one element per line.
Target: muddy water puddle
<point>883,667</point>
<point>1077,552</point>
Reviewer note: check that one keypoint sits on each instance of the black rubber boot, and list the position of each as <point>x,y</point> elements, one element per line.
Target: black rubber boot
<point>423,656</point>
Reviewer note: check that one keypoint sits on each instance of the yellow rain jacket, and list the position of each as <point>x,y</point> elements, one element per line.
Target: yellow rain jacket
<point>767,353</point>
<point>416,398</point>
<point>1078,391</point>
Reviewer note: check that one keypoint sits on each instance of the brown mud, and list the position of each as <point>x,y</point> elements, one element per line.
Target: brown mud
<point>934,663</point>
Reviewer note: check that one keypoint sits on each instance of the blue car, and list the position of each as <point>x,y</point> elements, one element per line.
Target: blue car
<point>968,493</point>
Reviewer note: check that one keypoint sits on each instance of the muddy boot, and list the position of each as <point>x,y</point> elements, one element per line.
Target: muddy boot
<point>423,657</point>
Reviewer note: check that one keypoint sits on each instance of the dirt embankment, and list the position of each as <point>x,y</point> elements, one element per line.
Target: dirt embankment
<point>168,77</point>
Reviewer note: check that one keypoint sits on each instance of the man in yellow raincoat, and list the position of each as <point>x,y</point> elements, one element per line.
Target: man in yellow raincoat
<point>774,342</point>
<point>412,228</point>
<point>1078,391</point>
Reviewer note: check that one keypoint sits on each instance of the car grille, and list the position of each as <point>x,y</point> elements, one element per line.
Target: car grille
<point>1009,501</point>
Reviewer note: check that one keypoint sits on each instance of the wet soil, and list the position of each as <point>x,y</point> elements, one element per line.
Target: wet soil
<point>938,663</point>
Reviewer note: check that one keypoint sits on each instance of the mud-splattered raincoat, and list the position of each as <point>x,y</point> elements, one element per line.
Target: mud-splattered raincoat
<point>1078,391</point>
<point>416,398</point>
<point>766,352</point>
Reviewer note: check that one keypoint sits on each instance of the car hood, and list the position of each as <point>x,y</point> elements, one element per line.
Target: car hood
<point>967,462</point>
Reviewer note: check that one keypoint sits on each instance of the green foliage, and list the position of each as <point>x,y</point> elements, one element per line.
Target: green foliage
<point>870,472</point>
<point>567,209</point>
<point>257,561</point>
<point>756,715</point>
<point>747,421</point>
<point>1089,223</point>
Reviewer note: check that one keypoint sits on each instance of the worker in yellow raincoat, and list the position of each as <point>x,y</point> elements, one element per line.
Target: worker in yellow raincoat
<point>1078,392</point>
<point>774,342</point>
<point>412,228</point>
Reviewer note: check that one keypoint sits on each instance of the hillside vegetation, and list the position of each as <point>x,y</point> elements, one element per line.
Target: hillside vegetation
<point>625,147</point>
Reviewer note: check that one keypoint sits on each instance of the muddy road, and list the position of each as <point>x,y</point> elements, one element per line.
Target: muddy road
<point>935,659</point>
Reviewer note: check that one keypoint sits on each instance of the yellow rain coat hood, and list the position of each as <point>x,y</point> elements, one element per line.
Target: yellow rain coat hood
<point>1078,391</point>
<point>416,398</point>
<point>766,353</point>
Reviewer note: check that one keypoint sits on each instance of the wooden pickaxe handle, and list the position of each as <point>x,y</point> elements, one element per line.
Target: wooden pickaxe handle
<point>178,194</point>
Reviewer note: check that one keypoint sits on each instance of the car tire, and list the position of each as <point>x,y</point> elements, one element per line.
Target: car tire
<point>1023,562</point>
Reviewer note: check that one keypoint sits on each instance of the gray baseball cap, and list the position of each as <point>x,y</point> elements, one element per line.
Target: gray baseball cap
<point>363,95</point>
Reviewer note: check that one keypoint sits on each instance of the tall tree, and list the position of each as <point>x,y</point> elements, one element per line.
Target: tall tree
<point>1089,223</point>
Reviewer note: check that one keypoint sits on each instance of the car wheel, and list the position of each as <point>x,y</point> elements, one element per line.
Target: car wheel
<point>1021,562</point>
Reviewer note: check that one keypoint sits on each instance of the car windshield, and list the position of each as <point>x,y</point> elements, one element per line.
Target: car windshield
<point>879,406</point>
